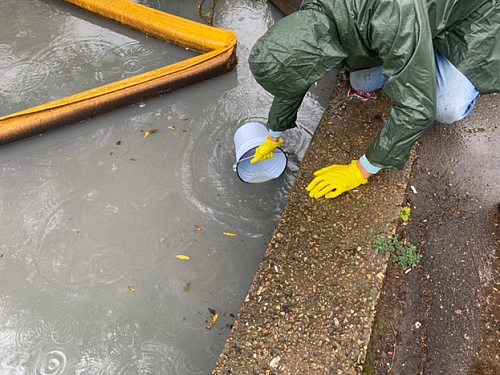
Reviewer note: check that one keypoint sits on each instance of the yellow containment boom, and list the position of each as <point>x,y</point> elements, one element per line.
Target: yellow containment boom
<point>218,55</point>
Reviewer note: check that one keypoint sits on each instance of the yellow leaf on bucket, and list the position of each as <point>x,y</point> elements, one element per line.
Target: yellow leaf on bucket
<point>182,257</point>
<point>229,234</point>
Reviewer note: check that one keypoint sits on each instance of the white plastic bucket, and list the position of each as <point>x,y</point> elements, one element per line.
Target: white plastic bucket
<point>246,139</point>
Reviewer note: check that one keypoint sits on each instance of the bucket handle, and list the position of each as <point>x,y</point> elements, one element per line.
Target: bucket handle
<point>235,165</point>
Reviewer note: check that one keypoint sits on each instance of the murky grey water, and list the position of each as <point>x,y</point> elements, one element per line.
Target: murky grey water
<point>93,215</point>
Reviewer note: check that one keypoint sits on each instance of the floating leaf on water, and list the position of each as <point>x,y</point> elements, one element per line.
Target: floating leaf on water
<point>182,257</point>
<point>148,132</point>
<point>226,94</point>
<point>170,127</point>
<point>229,234</point>
<point>198,228</point>
<point>132,289</point>
<point>212,321</point>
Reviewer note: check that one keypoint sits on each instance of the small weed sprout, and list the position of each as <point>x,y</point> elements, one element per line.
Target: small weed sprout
<point>404,213</point>
<point>382,245</point>
<point>401,252</point>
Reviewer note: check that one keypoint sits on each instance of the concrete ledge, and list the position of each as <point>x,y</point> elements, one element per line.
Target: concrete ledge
<point>312,302</point>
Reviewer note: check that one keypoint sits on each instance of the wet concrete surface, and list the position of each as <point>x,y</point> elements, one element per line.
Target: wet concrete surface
<point>444,317</point>
<point>94,215</point>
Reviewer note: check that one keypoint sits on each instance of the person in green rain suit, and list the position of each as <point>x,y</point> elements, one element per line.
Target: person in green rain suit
<point>433,58</point>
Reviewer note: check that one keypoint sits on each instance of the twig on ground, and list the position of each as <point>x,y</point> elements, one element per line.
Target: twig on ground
<point>393,347</point>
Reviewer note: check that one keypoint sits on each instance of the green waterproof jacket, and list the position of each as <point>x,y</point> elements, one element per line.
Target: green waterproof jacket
<point>400,35</point>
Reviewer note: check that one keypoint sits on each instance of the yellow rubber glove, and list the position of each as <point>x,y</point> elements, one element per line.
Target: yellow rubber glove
<point>266,150</point>
<point>334,180</point>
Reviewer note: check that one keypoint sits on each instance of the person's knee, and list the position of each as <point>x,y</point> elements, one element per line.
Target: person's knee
<point>456,94</point>
<point>449,112</point>
<point>449,115</point>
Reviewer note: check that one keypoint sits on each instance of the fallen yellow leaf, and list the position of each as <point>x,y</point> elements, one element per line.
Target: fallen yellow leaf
<point>148,132</point>
<point>229,234</point>
<point>182,257</point>
<point>132,289</point>
<point>170,127</point>
<point>212,321</point>
<point>162,239</point>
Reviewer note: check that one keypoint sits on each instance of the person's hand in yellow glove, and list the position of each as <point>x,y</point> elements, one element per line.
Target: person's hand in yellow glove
<point>334,180</point>
<point>266,149</point>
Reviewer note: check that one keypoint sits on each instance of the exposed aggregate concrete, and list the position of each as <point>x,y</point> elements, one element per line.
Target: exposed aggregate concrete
<point>312,302</point>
